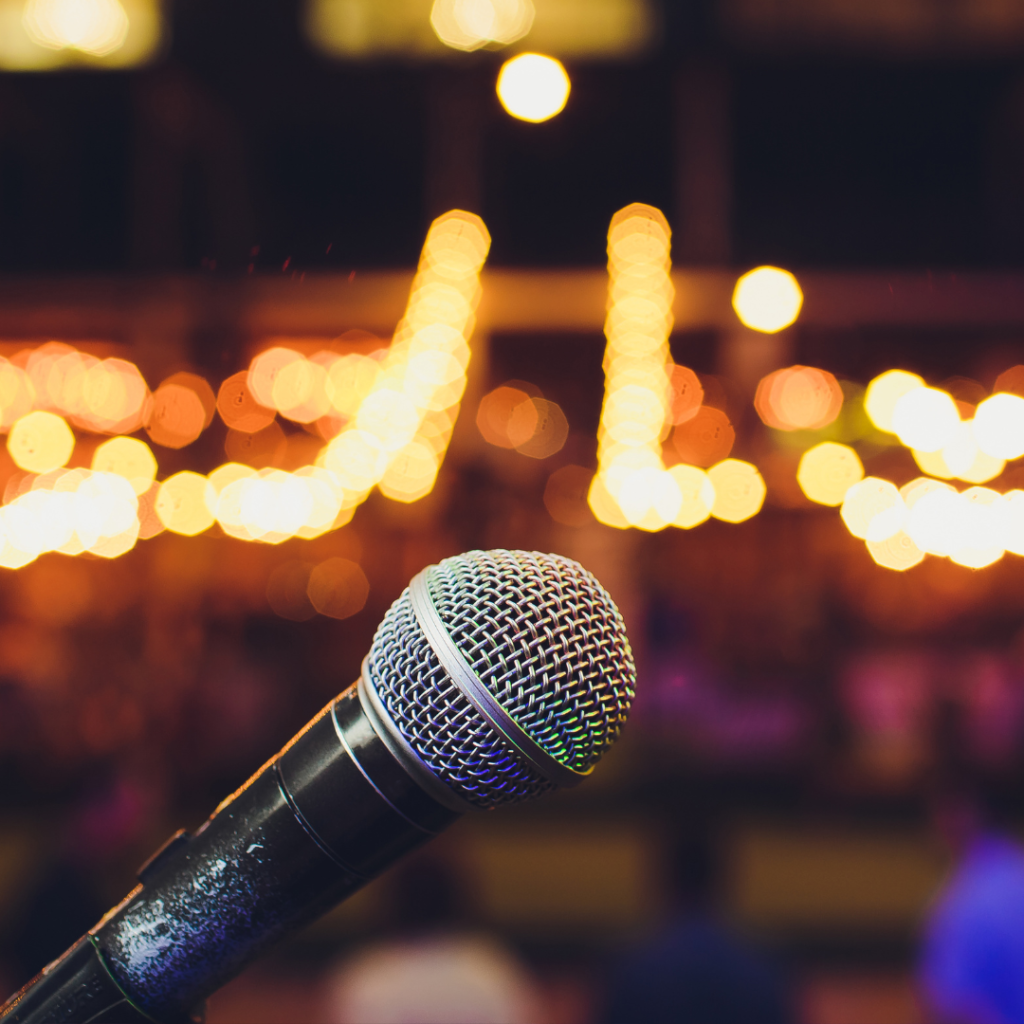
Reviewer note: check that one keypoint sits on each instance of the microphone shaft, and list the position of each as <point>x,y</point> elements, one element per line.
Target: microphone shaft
<point>332,810</point>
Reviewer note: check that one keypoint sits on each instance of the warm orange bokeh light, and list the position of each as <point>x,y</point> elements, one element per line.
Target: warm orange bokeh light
<point>565,495</point>
<point>338,588</point>
<point>705,438</point>
<point>177,416</point>
<point>239,408</point>
<point>494,415</point>
<point>798,398</point>
<point>687,394</point>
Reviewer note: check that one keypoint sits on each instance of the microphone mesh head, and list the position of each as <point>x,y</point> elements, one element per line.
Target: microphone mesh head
<point>545,639</point>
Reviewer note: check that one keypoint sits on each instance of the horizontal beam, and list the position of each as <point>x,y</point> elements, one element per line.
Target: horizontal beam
<point>128,309</point>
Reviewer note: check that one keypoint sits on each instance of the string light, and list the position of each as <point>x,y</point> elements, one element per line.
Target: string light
<point>411,407</point>
<point>632,486</point>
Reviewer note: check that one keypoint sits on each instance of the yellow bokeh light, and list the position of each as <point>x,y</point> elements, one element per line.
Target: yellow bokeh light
<point>349,380</point>
<point>632,486</point>
<point>96,27</point>
<point>263,371</point>
<point>926,419</point>
<point>604,506</point>
<point>983,528</point>
<point>936,520</point>
<point>897,552</point>
<point>998,426</point>
<point>698,495</point>
<point>961,458</point>
<point>767,299</point>
<point>183,503</point>
<point>873,509</point>
<point>884,392</point>
<point>127,457</point>
<point>533,87</point>
<point>739,490</point>
<point>414,395</point>
<point>1014,521</point>
<point>471,24</point>
<point>40,442</point>
<point>827,471</point>
<point>17,394</point>
<point>650,498</point>
<point>411,473</point>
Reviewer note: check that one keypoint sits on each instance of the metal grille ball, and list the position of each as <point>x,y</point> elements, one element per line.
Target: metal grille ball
<point>547,641</point>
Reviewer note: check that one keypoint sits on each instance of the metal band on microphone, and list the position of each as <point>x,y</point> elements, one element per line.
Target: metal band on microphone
<point>402,750</point>
<point>469,683</point>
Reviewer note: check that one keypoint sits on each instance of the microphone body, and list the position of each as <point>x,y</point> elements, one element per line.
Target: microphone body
<point>496,677</point>
<point>333,809</point>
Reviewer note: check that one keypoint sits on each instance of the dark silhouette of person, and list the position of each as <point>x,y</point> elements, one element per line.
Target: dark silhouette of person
<point>695,970</point>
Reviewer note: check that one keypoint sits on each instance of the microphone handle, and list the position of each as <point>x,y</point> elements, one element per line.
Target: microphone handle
<point>332,810</point>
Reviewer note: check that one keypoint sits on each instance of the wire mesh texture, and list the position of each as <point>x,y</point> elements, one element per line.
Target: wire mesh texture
<point>545,639</point>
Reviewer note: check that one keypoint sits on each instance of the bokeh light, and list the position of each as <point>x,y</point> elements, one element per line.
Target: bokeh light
<point>873,509</point>
<point>96,27</point>
<point>638,369</point>
<point>827,471</point>
<point>177,415</point>
<point>897,552</point>
<point>265,447</point>
<point>697,493</point>
<point>239,408</point>
<point>127,457</point>
<point>471,24</point>
<point>686,394</point>
<point>999,426</point>
<point>767,299</point>
<point>349,380</point>
<point>494,414</point>
<point>705,438</point>
<point>414,397</point>
<point>183,503</point>
<point>338,588</point>
<point>17,394</point>
<point>961,458</point>
<point>936,519</point>
<point>533,87</point>
<point>884,392</point>
<point>286,591</point>
<point>983,524</point>
<point>739,490</point>
<point>40,442</point>
<point>565,495</point>
<point>798,398</point>
<point>926,419</point>
<point>538,427</point>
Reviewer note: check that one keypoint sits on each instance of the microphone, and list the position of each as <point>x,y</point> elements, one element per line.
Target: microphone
<point>495,677</point>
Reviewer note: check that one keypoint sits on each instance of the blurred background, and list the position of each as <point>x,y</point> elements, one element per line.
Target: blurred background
<point>248,391</point>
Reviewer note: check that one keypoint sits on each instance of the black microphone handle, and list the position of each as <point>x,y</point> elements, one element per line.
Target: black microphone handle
<point>333,809</point>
